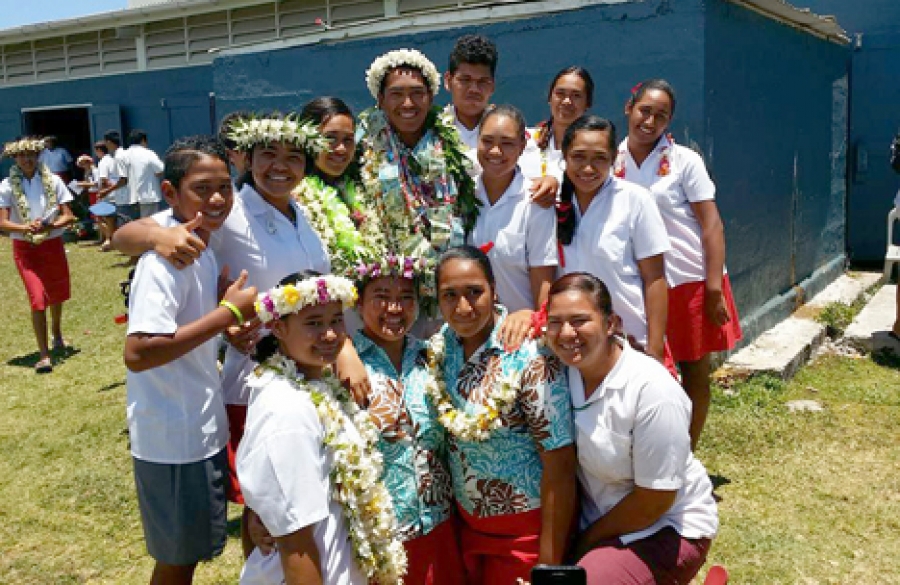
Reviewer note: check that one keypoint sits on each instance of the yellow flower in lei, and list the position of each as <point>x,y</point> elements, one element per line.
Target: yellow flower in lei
<point>355,474</point>
<point>468,427</point>
<point>291,294</point>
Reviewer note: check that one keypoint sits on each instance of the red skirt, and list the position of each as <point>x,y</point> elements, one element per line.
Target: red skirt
<point>690,333</point>
<point>237,418</point>
<point>45,272</point>
<point>497,550</point>
<point>434,559</point>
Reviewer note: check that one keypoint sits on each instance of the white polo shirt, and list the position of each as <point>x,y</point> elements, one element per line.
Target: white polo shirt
<point>123,195</point>
<point>108,169</point>
<point>175,411</point>
<point>621,226</point>
<point>58,160</point>
<point>533,160</point>
<point>633,432</point>
<point>686,182</point>
<point>258,238</point>
<point>469,137</point>
<point>524,235</point>
<point>284,470</point>
<point>37,201</point>
<point>141,168</point>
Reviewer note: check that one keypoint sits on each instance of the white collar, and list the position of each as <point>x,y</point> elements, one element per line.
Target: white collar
<point>513,192</point>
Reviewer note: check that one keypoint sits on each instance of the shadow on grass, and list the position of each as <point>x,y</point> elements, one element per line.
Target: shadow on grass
<point>29,360</point>
<point>112,386</point>
<point>234,527</point>
<point>886,358</point>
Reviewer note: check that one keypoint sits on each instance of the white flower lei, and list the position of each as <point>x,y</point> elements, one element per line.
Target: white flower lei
<point>292,298</point>
<point>15,182</point>
<point>248,132</point>
<point>355,474</point>
<point>468,427</point>
<point>24,145</point>
<point>398,58</point>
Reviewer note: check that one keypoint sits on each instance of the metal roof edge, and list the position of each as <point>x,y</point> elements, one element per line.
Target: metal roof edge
<point>803,19</point>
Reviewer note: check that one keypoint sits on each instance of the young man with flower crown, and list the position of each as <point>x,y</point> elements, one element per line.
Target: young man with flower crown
<point>309,463</point>
<point>34,209</point>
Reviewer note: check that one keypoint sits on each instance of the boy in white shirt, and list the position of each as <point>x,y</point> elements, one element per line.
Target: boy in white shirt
<point>143,171</point>
<point>176,413</point>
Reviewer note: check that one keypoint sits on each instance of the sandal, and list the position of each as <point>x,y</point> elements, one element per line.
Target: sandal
<point>44,366</point>
<point>59,344</point>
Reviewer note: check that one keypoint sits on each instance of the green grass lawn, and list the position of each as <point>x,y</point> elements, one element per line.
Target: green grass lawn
<point>806,498</point>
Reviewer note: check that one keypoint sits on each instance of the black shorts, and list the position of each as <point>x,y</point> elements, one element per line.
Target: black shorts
<point>183,508</point>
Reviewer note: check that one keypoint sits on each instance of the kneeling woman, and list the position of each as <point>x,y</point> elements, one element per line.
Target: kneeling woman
<point>647,513</point>
<point>510,423</point>
<point>412,442</point>
<point>308,463</point>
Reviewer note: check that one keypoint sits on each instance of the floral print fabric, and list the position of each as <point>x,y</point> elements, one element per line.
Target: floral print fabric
<point>413,443</point>
<point>502,475</point>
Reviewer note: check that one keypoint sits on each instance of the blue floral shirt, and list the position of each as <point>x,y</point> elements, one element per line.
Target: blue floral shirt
<point>502,475</point>
<point>413,443</point>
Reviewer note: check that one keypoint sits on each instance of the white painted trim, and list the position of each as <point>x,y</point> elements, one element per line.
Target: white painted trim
<point>59,107</point>
<point>801,19</point>
<point>440,19</point>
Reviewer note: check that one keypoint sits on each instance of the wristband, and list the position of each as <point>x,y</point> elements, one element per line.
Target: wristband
<point>234,311</point>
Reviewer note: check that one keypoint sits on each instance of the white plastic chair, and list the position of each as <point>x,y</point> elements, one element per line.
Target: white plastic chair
<point>892,256</point>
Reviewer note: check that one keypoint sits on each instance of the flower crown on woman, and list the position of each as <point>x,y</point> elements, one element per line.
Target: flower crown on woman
<point>23,145</point>
<point>402,58</point>
<point>254,130</point>
<point>286,299</point>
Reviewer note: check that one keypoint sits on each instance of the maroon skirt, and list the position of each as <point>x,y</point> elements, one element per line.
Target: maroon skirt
<point>44,270</point>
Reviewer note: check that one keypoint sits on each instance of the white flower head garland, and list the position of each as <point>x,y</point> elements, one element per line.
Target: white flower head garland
<point>17,147</point>
<point>283,300</point>
<point>355,474</point>
<point>468,427</point>
<point>402,58</point>
<point>251,131</point>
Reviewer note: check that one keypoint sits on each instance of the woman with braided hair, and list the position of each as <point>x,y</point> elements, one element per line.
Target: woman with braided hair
<point>571,94</point>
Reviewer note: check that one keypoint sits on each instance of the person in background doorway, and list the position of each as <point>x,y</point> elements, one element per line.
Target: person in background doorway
<point>106,168</point>
<point>57,159</point>
<point>115,183</point>
<point>34,209</point>
<point>143,169</point>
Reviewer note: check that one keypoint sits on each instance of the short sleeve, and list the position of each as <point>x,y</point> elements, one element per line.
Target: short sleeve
<point>695,179</point>
<point>157,293</point>
<point>122,164</point>
<point>541,238</point>
<point>649,234</point>
<point>67,157</point>
<point>544,398</point>
<point>661,445</point>
<point>63,195</point>
<point>5,194</point>
<point>156,164</point>
<point>282,469</point>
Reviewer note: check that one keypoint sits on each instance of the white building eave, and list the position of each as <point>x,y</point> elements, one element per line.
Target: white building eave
<point>803,19</point>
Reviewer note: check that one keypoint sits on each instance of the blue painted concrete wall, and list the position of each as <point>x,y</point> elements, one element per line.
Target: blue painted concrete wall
<point>875,117</point>
<point>776,111</point>
<point>620,45</point>
<point>166,104</point>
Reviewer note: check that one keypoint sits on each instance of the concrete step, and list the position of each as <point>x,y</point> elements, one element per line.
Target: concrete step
<point>782,350</point>
<point>870,330</point>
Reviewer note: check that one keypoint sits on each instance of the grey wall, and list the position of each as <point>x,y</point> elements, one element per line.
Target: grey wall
<point>776,126</point>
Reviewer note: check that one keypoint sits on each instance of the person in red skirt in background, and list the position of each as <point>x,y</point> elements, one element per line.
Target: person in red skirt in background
<point>702,314</point>
<point>34,209</point>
